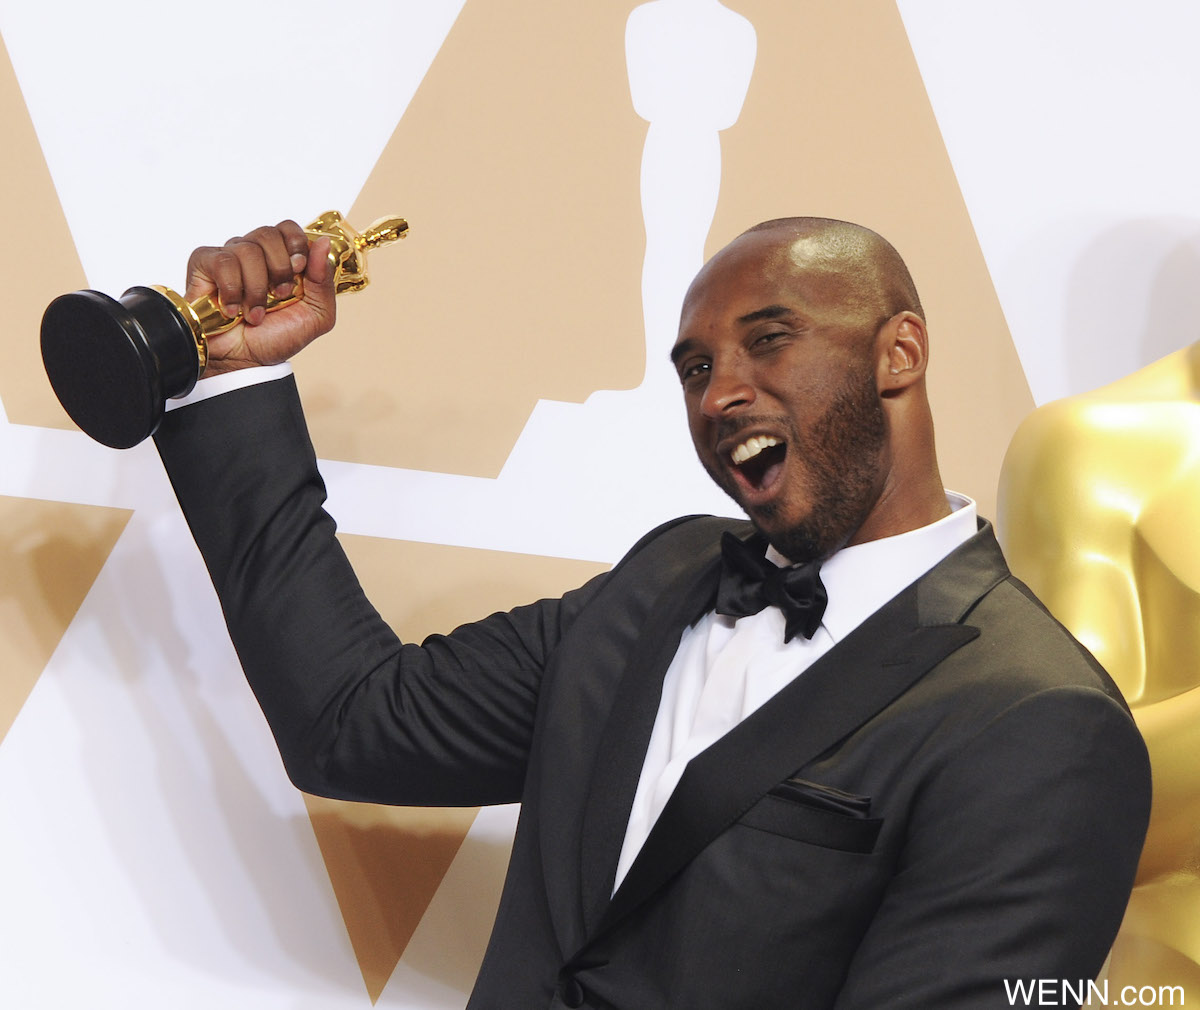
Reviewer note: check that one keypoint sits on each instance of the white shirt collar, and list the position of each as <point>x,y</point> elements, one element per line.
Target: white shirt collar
<point>862,578</point>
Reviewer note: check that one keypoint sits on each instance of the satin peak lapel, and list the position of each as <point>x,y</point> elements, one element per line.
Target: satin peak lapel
<point>885,656</point>
<point>626,735</point>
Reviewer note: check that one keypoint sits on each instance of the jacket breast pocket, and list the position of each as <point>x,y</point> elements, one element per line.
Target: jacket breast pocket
<point>798,818</point>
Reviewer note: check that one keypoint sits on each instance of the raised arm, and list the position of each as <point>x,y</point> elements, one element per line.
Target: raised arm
<point>356,713</point>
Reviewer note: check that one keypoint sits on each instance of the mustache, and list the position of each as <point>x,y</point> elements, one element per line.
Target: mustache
<point>731,427</point>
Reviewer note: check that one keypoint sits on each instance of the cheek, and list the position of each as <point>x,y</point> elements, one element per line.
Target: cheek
<point>697,423</point>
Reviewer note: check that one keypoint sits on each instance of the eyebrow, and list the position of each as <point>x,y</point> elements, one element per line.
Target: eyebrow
<point>680,349</point>
<point>770,312</point>
<point>767,312</point>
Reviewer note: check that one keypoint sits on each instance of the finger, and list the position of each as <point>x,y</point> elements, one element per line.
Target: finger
<point>199,273</point>
<point>252,262</point>
<point>296,240</point>
<point>278,260</point>
<point>319,271</point>
<point>319,282</point>
<point>217,269</point>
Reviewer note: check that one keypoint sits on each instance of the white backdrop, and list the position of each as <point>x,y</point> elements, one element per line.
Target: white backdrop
<point>151,851</point>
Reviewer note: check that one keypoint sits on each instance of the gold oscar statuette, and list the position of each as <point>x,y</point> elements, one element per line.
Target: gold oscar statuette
<point>114,364</point>
<point>1098,502</point>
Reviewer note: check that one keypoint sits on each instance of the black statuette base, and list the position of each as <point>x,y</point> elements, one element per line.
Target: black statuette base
<point>113,365</point>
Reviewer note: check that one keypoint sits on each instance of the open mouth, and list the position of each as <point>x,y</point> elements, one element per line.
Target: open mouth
<point>758,462</point>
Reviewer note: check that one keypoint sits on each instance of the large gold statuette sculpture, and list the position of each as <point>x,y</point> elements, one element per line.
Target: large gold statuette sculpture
<point>1099,500</point>
<point>114,364</point>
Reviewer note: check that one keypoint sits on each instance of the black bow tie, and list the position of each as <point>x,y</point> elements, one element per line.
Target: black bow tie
<point>750,583</point>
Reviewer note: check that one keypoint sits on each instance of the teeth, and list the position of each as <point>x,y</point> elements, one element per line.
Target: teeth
<point>752,447</point>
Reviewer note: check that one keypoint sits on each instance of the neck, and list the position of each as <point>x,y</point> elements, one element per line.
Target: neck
<point>904,507</point>
<point>912,494</point>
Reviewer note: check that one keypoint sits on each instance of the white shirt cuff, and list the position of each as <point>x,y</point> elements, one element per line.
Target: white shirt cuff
<point>229,381</point>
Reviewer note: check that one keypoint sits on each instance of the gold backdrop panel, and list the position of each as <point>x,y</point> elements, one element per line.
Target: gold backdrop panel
<point>517,162</point>
<point>50,554</point>
<point>38,267</point>
<point>385,865</point>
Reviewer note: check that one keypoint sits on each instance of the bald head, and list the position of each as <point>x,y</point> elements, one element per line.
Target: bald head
<point>871,272</point>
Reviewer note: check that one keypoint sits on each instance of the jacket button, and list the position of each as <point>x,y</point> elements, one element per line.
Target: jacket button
<point>572,993</point>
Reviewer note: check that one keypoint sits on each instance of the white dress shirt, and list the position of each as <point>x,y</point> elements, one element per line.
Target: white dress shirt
<point>725,668</point>
<point>227,382</point>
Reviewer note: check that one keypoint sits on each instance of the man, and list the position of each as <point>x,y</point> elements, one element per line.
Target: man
<point>892,782</point>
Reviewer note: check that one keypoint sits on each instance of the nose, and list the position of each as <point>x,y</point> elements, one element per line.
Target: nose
<point>727,389</point>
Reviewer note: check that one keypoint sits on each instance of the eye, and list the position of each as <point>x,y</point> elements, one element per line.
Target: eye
<point>689,371</point>
<point>765,339</point>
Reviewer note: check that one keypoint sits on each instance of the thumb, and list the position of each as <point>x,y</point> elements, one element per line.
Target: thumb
<point>319,278</point>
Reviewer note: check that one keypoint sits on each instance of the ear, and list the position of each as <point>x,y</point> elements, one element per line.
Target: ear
<point>902,353</point>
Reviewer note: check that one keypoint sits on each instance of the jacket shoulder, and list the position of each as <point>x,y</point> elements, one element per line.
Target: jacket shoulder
<point>684,538</point>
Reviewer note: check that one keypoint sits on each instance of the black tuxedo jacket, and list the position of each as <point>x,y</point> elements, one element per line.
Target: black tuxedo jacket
<point>953,796</point>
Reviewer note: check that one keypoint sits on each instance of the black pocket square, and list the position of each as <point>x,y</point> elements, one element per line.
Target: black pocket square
<point>813,794</point>
<point>804,821</point>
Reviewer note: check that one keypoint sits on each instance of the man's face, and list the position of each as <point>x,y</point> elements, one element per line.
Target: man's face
<point>776,360</point>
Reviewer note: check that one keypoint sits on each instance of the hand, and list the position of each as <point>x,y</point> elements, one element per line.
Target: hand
<point>242,272</point>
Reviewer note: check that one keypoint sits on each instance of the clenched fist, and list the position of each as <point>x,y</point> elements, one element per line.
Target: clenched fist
<point>243,272</point>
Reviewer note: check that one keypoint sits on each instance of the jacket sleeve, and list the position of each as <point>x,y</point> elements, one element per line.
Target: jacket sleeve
<point>356,714</point>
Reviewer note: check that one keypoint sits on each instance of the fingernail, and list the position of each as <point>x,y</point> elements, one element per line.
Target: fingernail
<point>231,310</point>
<point>299,262</point>
<point>256,315</point>
<point>283,290</point>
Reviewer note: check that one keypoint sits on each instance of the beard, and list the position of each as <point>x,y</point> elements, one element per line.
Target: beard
<point>839,459</point>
